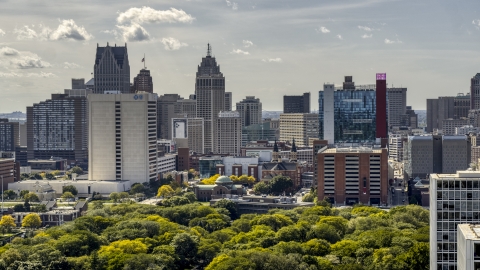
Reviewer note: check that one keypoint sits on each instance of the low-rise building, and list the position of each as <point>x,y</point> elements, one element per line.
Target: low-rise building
<point>262,204</point>
<point>468,247</point>
<point>223,186</point>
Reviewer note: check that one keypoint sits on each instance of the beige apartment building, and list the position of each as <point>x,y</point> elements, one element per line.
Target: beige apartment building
<point>298,126</point>
<point>228,137</point>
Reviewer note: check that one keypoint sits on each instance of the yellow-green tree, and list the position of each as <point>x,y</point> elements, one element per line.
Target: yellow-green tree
<point>211,180</point>
<point>165,191</point>
<point>7,223</point>
<point>234,179</point>
<point>32,221</point>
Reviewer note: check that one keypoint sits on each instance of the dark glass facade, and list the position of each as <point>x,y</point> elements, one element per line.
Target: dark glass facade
<point>354,114</point>
<point>208,166</point>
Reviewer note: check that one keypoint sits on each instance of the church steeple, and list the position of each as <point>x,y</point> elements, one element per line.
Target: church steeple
<point>294,147</point>
<point>276,154</point>
<point>293,152</point>
<point>275,147</point>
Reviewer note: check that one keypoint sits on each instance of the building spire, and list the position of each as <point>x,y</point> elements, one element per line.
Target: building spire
<point>275,147</point>
<point>294,147</point>
<point>209,50</point>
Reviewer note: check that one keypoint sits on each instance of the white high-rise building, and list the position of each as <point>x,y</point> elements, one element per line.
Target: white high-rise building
<point>468,246</point>
<point>228,138</point>
<point>298,126</point>
<point>454,199</point>
<point>122,137</point>
<point>328,113</point>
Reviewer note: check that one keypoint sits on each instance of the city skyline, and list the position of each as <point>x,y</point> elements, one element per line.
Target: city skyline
<point>284,48</point>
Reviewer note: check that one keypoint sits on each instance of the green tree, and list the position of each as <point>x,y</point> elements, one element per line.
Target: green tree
<point>77,170</point>
<point>39,208</point>
<point>70,188</point>
<point>67,196</point>
<point>229,205</point>
<point>49,176</point>
<point>137,188</point>
<point>123,196</point>
<point>186,247</point>
<point>309,197</point>
<point>7,223</point>
<point>31,197</point>
<point>114,196</point>
<point>316,247</point>
<point>10,194</point>
<point>280,184</point>
<point>165,191</point>
<point>261,188</point>
<point>417,257</point>
<point>31,221</point>
<point>23,193</point>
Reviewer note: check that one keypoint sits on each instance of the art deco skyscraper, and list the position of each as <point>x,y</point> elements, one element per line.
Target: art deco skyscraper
<point>210,93</point>
<point>143,82</point>
<point>250,110</point>
<point>111,69</point>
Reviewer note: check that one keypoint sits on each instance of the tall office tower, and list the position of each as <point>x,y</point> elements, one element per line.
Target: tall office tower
<point>58,127</point>
<point>111,70</point>
<point>349,176</point>
<point>250,109</point>
<point>475,92</point>
<point>78,83</point>
<point>347,115</point>
<point>461,105</point>
<point>165,113</point>
<point>296,104</point>
<point>210,95</point>
<point>228,137</point>
<point>438,110</point>
<point>396,106</point>
<point>228,101</point>
<point>395,146</point>
<point>143,82</point>
<point>9,135</point>
<point>454,200</point>
<point>186,108</point>
<point>409,119</point>
<point>299,127</point>
<point>123,137</point>
<point>190,129</point>
<point>381,106</point>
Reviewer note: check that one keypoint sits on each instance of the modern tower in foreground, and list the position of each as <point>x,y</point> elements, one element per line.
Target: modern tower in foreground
<point>111,70</point>
<point>210,94</point>
<point>123,137</point>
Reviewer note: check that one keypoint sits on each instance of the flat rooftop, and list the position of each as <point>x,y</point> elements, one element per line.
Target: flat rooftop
<point>352,150</point>
<point>460,175</point>
<point>470,231</point>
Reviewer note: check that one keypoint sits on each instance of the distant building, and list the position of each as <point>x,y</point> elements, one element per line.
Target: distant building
<point>228,101</point>
<point>223,187</point>
<point>111,70</point>
<point>165,113</point>
<point>349,176</point>
<point>461,105</point>
<point>261,204</point>
<point>190,129</point>
<point>58,127</point>
<point>409,119</point>
<point>395,146</point>
<point>132,120</point>
<point>9,135</point>
<point>78,83</point>
<point>475,92</point>
<point>143,82</point>
<point>258,132</point>
<point>9,171</point>
<point>444,108</point>
<point>449,125</point>
<point>466,130</point>
<point>298,126</point>
<point>228,136</point>
<point>250,110</point>
<point>296,104</point>
<point>396,106</point>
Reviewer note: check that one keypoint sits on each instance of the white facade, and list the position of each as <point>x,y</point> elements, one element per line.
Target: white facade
<point>465,130</point>
<point>244,161</point>
<point>454,199</point>
<point>84,187</point>
<point>395,147</point>
<point>191,129</point>
<point>123,137</point>
<point>166,163</point>
<point>328,113</point>
<point>468,247</point>
<point>228,137</point>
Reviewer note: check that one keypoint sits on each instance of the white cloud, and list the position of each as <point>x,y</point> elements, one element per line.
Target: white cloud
<point>8,51</point>
<point>134,32</point>
<point>367,36</point>
<point>365,28</point>
<point>2,32</point>
<point>388,41</point>
<point>67,65</point>
<point>476,23</point>
<point>238,51</point>
<point>25,33</point>
<point>247,43</point>
<point>339,37</point>
<point>9,75</point>
<point>30,61</point>
<point>41,75</point>
<point>28,75</point>
<point>172,44</point>
<point>150,15</point>
<point>323,29</point>
<point>275,60</point>
<point>69,30</point>
<point>232,4</point>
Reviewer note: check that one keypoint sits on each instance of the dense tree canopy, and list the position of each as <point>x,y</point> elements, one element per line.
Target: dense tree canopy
<point>196,236</point>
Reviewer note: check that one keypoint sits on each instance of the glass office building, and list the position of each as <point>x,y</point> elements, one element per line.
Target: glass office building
<point>208,166</point>
<point>354,114</point>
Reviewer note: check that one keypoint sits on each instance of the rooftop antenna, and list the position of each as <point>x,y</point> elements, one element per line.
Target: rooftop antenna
<point>209,50</point>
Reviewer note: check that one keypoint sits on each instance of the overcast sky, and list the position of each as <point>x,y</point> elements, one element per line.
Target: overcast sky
<point>265,48</point>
